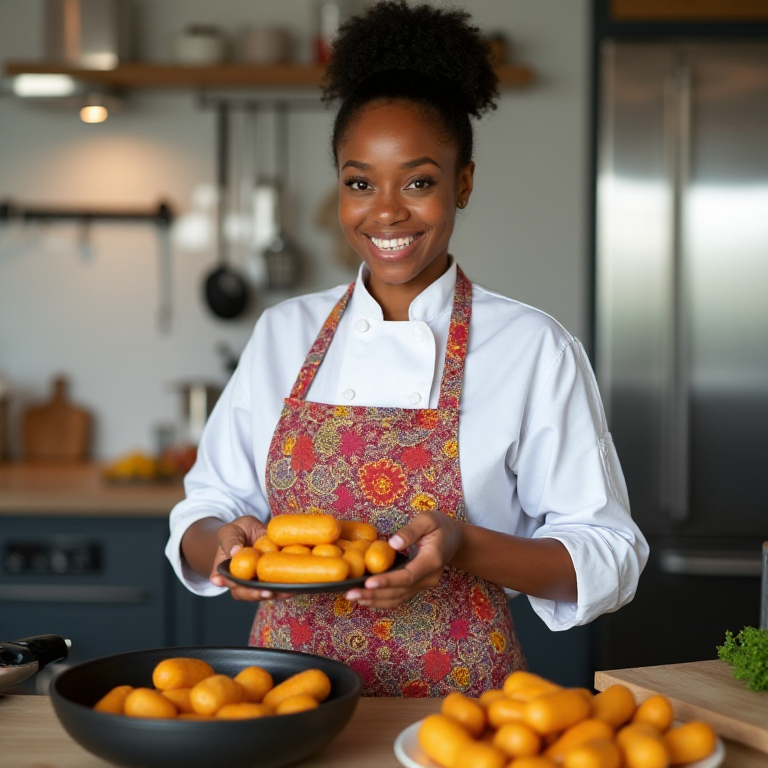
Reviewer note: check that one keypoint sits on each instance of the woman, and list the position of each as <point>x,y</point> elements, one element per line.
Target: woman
<point>452,418</point>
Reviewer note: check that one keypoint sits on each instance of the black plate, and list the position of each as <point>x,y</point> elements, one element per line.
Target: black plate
<point>308,589</point>
<point>269,742</point>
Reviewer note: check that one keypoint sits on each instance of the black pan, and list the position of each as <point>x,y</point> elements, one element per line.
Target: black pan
<point>268,742</point>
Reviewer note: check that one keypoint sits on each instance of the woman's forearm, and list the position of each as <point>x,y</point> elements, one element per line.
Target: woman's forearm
<point>200,544</point>
<point>538,567</point>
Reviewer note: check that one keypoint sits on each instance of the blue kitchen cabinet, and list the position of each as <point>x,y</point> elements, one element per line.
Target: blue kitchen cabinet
<point>101,582</point>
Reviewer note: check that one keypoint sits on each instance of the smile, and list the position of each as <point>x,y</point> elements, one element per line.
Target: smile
<point>394,244</point>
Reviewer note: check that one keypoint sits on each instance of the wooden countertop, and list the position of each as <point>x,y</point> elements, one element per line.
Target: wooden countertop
<point>705,690</point>
<point>31,737</point>
<point>78,489</point>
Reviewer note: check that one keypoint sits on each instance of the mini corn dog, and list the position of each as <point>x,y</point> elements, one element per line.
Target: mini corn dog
<point>309,530</point>
<point>282,568</point>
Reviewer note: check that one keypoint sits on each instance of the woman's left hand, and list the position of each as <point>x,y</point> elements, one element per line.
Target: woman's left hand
<point>437,537</point>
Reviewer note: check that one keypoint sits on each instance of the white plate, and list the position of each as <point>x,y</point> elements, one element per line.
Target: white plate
<point>410,754</point>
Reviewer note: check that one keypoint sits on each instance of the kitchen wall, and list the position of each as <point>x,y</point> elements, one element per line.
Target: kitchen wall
<point>86,304</point>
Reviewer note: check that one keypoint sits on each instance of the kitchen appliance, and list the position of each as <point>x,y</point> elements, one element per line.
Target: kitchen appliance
<point>20,659</point>
<point>267,742</point>
<point>681,342</point>
<point>92,34</point>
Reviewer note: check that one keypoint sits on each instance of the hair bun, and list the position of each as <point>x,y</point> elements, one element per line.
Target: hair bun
<point>439,44</point>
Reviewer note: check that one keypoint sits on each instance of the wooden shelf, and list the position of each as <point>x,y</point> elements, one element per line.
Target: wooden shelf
<point>138,75</point>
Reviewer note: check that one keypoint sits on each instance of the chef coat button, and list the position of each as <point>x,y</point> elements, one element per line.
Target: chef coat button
<point>349,394</point>
<point>415,398</point>
<point>362,325</point>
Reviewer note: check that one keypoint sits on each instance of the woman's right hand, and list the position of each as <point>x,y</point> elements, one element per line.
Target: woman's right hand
<point>232,537</point>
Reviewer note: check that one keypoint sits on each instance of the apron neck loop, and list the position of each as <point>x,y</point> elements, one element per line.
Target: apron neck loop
<point>455,350</point>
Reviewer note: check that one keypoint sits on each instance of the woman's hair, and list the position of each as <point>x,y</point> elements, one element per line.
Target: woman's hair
<point>433,58</point>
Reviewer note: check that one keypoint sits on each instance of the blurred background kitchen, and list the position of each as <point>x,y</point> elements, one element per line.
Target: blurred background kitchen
<point>153,206</point>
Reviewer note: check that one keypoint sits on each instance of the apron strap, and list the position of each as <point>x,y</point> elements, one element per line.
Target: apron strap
<point>455,351</point>
<point>320,347</point>
<point>456,347</point>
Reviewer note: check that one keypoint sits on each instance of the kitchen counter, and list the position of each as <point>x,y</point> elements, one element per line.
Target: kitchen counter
<point>31,737</point>
<point>79,490</point>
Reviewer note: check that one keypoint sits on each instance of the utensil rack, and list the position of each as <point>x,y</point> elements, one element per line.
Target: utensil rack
<point>12,212</point>
<point>162,217</point>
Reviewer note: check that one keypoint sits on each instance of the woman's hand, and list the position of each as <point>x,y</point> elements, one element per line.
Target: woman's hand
<point>437,538</point>
<point>232,537</point>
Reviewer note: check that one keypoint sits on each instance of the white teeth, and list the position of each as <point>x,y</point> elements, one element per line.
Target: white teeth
<point>395,244</point>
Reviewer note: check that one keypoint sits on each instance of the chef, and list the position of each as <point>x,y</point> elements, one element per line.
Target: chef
<point>457,421</point>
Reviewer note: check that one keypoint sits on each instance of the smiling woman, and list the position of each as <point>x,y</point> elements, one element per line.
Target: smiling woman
<point>464,426</point>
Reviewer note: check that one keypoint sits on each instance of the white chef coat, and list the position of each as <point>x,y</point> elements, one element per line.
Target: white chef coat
<point>536,456</point>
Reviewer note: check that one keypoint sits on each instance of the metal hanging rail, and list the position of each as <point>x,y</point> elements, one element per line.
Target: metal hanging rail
<point>13,212</point>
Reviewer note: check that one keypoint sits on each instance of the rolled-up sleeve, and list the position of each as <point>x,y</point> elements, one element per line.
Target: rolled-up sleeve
<point>570,481</point>
<point>223,483</point>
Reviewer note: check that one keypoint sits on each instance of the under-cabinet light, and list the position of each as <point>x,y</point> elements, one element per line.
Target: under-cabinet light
<point>94,113</point>
<point>31,86</point>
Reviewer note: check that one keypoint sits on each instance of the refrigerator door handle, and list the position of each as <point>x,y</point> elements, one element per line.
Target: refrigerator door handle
<point>674,485</point>
<point>706,563</point>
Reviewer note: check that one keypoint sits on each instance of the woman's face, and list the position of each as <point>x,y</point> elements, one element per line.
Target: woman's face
<point>398,191</point>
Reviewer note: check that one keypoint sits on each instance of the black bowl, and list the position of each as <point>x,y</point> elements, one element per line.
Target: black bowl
<point>268,742</point>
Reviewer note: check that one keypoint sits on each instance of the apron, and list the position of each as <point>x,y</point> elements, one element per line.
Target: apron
<point>383,466</point>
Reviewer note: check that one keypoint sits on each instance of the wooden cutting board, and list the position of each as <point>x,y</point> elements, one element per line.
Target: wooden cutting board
<point>701,690</point>
<point>56,431</point>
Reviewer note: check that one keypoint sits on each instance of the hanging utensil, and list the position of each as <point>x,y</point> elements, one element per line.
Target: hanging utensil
<point>225,290</point>
<point>281,258</point>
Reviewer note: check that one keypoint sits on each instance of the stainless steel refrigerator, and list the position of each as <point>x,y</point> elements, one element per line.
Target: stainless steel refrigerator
<point>682,333</point>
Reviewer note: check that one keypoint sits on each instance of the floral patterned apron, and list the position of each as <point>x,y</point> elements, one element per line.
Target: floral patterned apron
<point>383,466</point>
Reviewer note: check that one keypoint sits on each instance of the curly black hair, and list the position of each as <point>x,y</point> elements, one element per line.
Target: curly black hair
<point>434,58</point>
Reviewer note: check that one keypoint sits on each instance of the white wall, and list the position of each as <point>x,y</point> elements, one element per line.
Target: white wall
<point>90,311</point>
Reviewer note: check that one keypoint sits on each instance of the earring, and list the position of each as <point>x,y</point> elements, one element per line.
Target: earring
<point>461,204</point>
